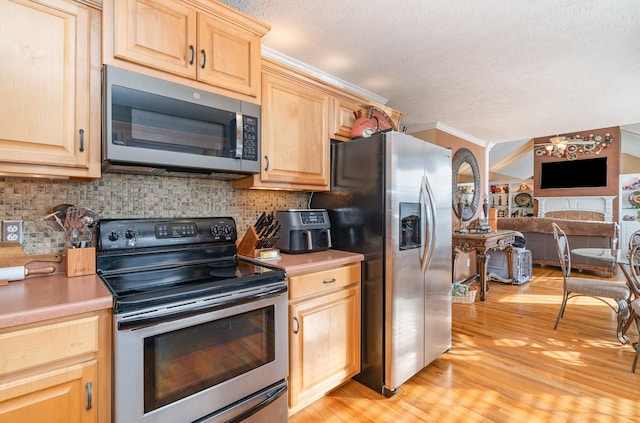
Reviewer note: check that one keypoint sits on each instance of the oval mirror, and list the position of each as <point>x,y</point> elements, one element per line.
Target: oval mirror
<point>465,184</point>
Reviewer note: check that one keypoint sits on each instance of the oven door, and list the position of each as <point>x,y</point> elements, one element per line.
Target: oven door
<point>185,362</point>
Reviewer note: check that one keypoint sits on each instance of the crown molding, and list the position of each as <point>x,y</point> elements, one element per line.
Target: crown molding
<point>449,130</point>
<point>321,75</point>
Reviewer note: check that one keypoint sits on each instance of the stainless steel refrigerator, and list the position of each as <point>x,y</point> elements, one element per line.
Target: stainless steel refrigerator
<point>390,200</point>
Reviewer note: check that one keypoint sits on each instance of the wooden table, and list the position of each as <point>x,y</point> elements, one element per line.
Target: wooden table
<point>482,243</point>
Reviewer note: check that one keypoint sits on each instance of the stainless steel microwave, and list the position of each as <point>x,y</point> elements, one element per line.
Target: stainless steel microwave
<point>157,127</point>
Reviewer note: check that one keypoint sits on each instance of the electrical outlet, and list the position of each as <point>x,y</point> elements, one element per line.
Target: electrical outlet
<point>12,230</point>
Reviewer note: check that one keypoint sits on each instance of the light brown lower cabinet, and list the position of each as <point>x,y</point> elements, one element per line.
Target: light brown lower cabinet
<point>324,332</point>
<point>57,371</point>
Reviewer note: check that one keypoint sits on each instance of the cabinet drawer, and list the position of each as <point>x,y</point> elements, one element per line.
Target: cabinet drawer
<point>326,280</point>
<point>27,348</point>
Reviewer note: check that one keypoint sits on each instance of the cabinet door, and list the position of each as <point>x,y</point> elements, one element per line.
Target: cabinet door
<point>344,117</point>
<point>228,56</point>
<point>64,395</point>
<point>324,343</point>
<point>45,112</point>
<point>295,133</point>
<point>157,33</point>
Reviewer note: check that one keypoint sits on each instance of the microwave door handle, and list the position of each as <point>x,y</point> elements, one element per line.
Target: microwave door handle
<point>239,138</point>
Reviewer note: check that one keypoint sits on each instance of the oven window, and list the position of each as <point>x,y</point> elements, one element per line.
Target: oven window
<point>186,361</point>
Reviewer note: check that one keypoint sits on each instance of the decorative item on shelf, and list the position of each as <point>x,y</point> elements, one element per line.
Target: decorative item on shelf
<point>369,121</point>
<point>523,200</point>
<point>572,146</point>
<point>524,187</point>
<point>633,186</point>
<point>485,207</point>
<point>462,229</point>
<point>479,225</point>
<point>634,198</point>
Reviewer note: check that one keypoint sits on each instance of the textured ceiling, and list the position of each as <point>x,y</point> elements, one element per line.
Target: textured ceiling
<point>494,71</point>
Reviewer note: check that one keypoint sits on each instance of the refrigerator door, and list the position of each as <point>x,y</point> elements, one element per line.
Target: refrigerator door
<point>390,200</point>
<point>356,211</point>
<point>404,279</point>
<point>437,227</point>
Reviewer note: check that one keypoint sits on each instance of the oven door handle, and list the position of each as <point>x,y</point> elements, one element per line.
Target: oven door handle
<point>219,305</point>
<point>271,397</point>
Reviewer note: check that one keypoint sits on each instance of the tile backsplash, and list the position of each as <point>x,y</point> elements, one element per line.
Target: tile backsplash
<point>132,196</point>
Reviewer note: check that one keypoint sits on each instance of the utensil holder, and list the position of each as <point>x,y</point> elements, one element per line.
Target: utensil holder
<point>80,261</point>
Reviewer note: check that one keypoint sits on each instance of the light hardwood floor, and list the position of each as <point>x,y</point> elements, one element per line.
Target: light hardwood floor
<point>507,364</point>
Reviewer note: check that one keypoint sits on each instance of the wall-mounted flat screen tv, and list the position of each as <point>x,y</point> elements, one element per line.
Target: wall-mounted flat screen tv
<point>587,173</point>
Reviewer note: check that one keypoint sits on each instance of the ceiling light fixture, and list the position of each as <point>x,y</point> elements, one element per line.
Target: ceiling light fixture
<point>573,146</point>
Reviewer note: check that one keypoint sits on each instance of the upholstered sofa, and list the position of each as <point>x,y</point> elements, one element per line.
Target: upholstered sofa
<point>538,235</point>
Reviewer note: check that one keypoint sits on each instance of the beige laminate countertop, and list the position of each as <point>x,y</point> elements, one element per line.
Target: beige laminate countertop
<point>41,298</point>
<point>298,264</point>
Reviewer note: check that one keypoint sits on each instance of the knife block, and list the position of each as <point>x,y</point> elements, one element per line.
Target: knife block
<point>247,246</point>
<point>80,261</point>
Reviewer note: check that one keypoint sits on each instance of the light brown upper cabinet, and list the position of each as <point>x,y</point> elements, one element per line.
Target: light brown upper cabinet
<point>300,116</point>
<point>50,85</point>
<point>203,41</point>
<point>295,132</point>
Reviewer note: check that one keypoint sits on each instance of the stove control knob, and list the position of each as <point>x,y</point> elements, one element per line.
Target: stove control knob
<point>228,230</point>
<point>113,236</point>
<point>131,235</point>
<point>215,231</point>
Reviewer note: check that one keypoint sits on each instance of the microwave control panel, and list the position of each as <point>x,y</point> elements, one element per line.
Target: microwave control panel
<point>249,138</point>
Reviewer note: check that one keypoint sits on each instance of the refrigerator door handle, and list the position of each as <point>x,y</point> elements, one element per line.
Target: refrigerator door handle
<point>430,233</point>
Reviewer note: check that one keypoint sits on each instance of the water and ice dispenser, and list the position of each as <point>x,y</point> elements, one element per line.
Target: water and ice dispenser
<point>410,226</point>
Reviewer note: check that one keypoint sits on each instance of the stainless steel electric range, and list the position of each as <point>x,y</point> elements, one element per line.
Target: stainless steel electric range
<point>200,335</point>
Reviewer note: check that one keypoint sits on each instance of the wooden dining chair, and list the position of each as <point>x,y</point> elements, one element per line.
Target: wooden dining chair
<point>597,288</point>
<point>634,272</point>
<point>634,239</point>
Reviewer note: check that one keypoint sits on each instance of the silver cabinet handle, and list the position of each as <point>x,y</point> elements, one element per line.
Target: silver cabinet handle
<point>297,328</point>
<point>89,396</point>
<point>266,159</point>
<point>81,131</point>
